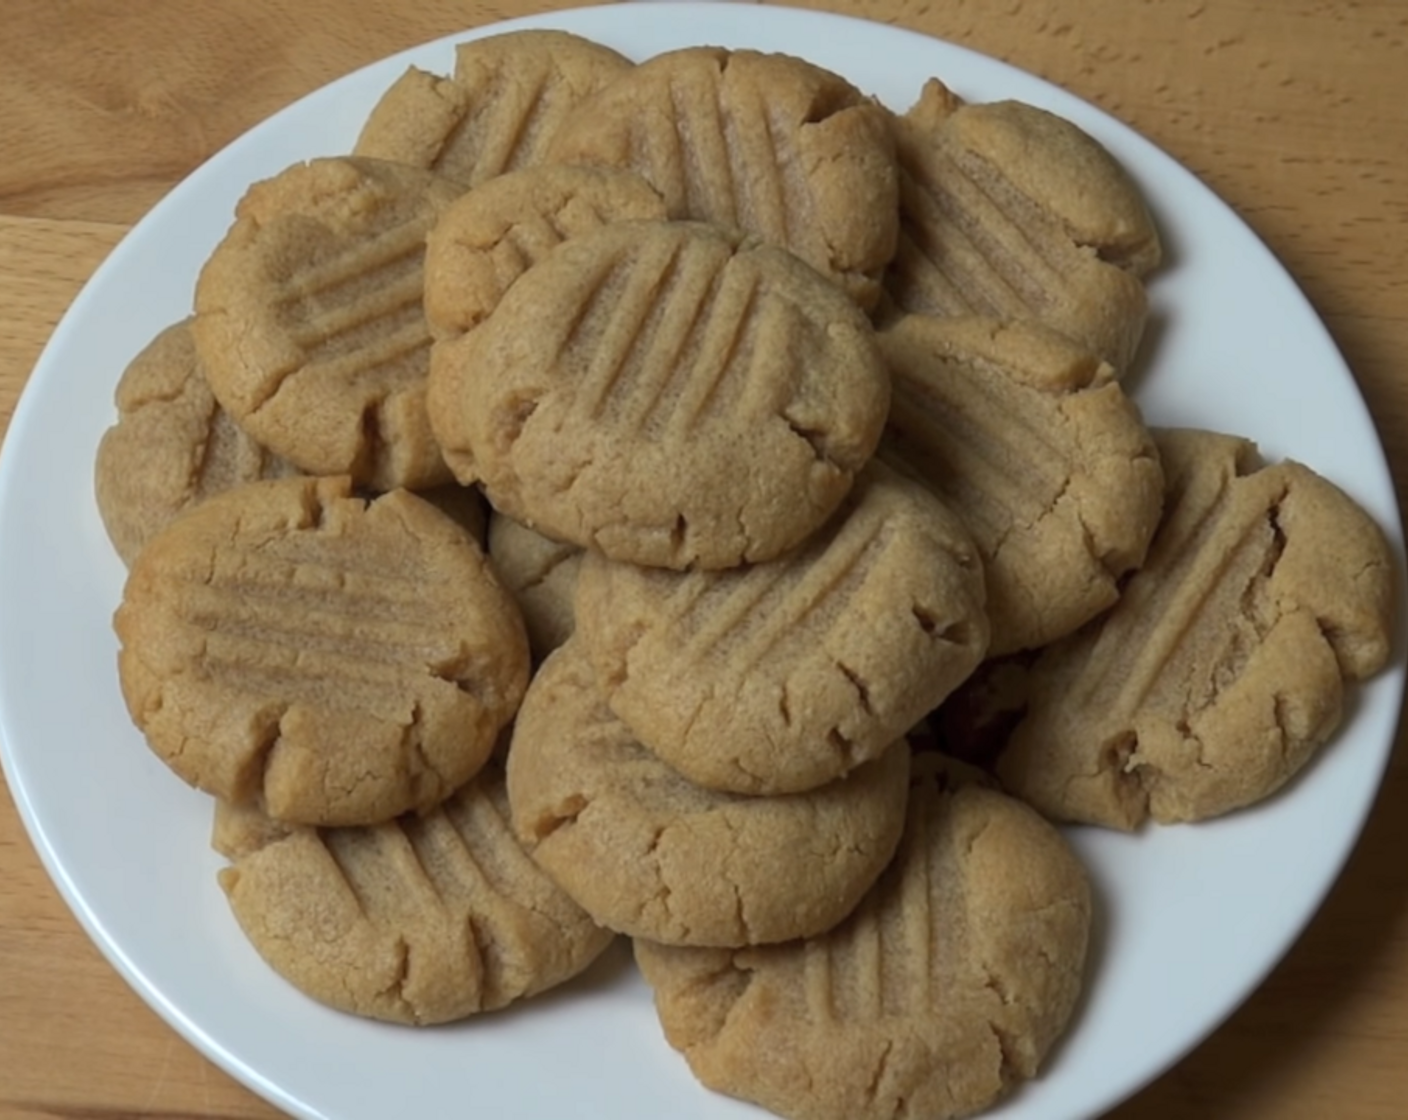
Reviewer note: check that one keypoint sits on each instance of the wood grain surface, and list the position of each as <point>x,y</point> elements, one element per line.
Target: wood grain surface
<point>1296,113</point>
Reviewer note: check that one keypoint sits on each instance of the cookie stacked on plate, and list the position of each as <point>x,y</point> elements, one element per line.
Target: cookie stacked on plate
<point>559,514</point>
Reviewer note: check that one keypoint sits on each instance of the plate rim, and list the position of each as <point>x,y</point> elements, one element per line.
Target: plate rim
<point>37,829</point>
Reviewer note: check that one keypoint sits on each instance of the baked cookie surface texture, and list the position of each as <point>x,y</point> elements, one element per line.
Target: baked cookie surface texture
<point>765,143</point>
<point>492,235</point>
<point>421,920</point>
<point>172,446</point>
<point>942,992</point>
<point>783,676</point>
<point>1012,212</point>
<point>666,393</point>
<point>647,853</point>
<point>498,113</point>
<point>1032,442</point>
<point>309,319</point>
<point>1221,670</point>
<point>337,660</point>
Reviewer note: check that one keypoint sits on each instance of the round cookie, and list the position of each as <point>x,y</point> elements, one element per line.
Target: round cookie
<point>1220,671</point>
<point>487,239</point>
<point>309,319</point>
<point>666,393</point>
<point>647,853</point>
<point>1033,443</point>
<point>944,990</point>
<point>541,574</point>
<point>766,143</point>
<point>782,676</point>
<point>340,660</point>
<point>509,94</point>
<point>1011,212</point>
<point>1061,168</point>
<point>422,919</point>
<point>172,446</point>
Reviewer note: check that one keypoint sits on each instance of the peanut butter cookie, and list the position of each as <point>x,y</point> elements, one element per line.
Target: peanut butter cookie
<point>783,676</point>
<point>647,853</point>
<point>1221,669</point>
<point>1011,212</point>
<point>944,990</point>
<point>765,143</point>
<point>667,393</point>
<point>1031,440</point>
<point>487,239</point>
<point>508,96</point>
<point>422,919</point>
<point>342,661</point>
<point>309,319</point>
<point>172,446</point>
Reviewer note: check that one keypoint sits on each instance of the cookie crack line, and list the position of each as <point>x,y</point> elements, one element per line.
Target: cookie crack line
<point>1147,772</point>
<point>412,741</point>
<point>731,876</point>
<point>268,736</point>
<point>859,684</point>
<point>270,385</point>
<point>740,911</point>
<point>814,437</point>
<point>1009,1070</point>
<point>872,1088</point>
<point>992,981</point>
<point>395,990</point>
<point>1281,714</point>
<point>563,816</point>
<point>928,622</point>
<point>491,979</point>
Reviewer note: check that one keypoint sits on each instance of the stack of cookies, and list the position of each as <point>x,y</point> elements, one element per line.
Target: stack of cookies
<point>559,514</point>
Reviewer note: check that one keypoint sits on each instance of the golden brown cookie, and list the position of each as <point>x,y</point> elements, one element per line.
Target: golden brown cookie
<point>1012,212</point>
<point>341,660</point>
<point>172,446</point>
<point>423,919</point>
<point>487,239</point>
<point>541,574</point>
<point>937,997</point>
<point>666,393</point>
<point>1221,669</point>
<point>309,319</point>
<point>648,853</point>
<point>1034,444</point>
<point>766,143</point>
<point>498,113</point>
<point>782,676</point>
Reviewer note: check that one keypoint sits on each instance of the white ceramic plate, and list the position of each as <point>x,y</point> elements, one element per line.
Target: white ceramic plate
<point>1191,918</point>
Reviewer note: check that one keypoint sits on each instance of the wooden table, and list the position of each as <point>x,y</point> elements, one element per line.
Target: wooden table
<point>1296,113</point>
